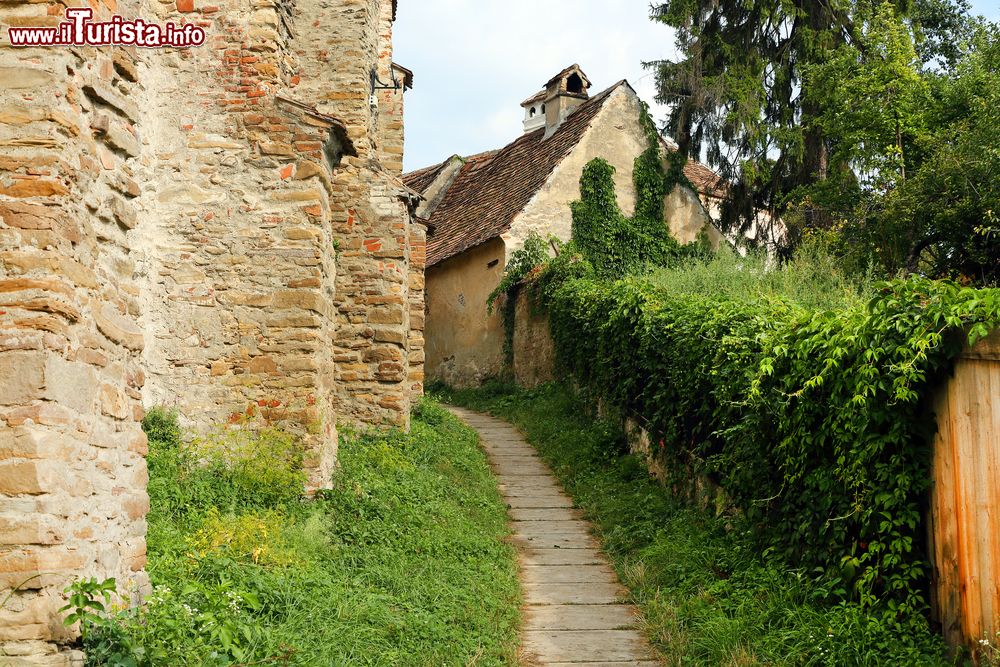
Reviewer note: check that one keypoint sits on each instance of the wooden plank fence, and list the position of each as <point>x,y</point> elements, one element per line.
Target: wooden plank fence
<point>964,521</point>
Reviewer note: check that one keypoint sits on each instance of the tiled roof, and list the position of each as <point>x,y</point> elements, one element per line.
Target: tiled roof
<point>494,187</point>
<point>706,181</point>
<point>421,179</point>
<point>534,99</point>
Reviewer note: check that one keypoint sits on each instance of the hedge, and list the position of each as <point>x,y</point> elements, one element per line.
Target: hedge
<point>816,424</point>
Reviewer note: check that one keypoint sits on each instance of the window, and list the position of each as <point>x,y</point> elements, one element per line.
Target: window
<point>531,114</point>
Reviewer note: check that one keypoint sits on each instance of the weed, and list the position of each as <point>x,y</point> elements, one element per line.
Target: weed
<point>402,562</point>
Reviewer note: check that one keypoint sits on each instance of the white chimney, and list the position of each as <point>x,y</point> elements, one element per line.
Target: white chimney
<point>534,112</point>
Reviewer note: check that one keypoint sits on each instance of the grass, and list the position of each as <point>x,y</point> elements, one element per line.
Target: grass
<point>708,595</point>
<point>812,279</point>
<point>403,562</point>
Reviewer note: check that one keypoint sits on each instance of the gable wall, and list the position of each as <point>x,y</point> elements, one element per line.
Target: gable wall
<point>615,135</point>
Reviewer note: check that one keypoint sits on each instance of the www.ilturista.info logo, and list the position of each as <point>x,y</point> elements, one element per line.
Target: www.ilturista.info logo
<point>78,30</point>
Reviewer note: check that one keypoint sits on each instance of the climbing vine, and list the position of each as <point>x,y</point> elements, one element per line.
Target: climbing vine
<point>815,423</point>
<point>617,245</point>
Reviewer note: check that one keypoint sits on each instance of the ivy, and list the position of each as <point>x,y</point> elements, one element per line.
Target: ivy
<point>815,423</point>
<point>617,245</point>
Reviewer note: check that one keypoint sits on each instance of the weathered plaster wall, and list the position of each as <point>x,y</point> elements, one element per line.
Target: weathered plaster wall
<point>464,343</point>
<point>72,469</point>
<point>687,217</point>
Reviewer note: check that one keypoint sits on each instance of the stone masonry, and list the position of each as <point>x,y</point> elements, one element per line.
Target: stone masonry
<point>221,229</point>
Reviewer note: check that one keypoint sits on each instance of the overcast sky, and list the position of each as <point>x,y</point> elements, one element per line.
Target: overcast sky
<point>474,61</point>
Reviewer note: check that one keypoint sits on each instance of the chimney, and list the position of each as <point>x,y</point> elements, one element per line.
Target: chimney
<point>562,95</point>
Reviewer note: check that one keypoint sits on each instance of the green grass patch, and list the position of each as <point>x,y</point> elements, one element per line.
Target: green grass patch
<point>709,594</point>
<point>403,562</point>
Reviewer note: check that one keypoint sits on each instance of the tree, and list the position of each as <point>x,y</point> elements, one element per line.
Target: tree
<point>940,218</point>
<point>740,95</point>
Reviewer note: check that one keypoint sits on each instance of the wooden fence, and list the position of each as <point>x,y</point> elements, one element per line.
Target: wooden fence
<point>964,521</point>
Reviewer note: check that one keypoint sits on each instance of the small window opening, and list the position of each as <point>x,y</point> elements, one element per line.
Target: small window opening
<point>574,84</point>
<point>531,113</point>
<point>543,108</point>
<point>493,263</point>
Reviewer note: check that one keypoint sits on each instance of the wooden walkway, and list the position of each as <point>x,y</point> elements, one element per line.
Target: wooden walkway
<point>572,613</point>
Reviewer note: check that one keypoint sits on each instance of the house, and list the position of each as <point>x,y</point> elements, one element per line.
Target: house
<point>481,208</point>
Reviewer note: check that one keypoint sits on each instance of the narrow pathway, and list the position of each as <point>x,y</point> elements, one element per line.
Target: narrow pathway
<point>572,613</point>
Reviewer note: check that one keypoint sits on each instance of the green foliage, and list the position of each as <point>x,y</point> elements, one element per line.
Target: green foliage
<point>402,562</point>
<point>228,469</point>
<point>873,100</point>
<point>811,279</point>
<point>614,244</point>
<point>871,122</point>
<point>812,418</point>
<point>914,156</point>
<point>709,594</point>
<point>88,599</point>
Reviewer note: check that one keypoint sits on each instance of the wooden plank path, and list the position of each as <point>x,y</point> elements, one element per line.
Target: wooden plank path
<point>572,609</point>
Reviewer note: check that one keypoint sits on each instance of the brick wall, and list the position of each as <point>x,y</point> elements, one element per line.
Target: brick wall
<point>214,229</point>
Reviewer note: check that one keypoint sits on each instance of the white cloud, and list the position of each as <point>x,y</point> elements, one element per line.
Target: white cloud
<point>475,60</point>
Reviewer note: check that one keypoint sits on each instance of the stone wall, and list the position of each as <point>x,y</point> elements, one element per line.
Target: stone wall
<point>211,229</point>
<point>72,469</point>
<point>370,216</point>
<point>534,351</point>
<point>238,267</point>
